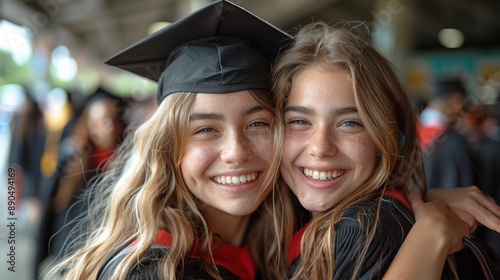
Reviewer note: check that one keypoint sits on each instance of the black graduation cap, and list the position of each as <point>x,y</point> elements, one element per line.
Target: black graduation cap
<point>102,94</point>
<point>218,49</point>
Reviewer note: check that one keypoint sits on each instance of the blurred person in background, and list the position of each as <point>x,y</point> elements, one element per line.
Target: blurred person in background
<point>92,140</point>
<point>447,156</point>
<point>22,133</point>
<point>490,126</point>
<point>487,159</point>
<point>478,124</point>
<point>140,110</point>
<point>38,128</point>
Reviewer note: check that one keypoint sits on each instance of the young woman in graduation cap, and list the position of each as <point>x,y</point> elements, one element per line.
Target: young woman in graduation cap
<point>187,196</point>
<point>191,195</point>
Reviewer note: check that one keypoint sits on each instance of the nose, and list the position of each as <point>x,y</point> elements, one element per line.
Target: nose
<point>321,143</point>
<point>236,148</point>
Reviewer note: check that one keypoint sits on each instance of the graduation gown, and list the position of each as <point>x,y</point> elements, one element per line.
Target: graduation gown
<point>396,220</point>
<point>232,262</point>
<point>349,235</point>
<point>448,160</point>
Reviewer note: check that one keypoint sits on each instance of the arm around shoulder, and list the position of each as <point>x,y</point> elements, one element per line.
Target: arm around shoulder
<point>437,233</point>
<point>471,204</point>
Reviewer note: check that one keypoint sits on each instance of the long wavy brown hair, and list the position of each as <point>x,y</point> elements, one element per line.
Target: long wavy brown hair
<point>387,113</point>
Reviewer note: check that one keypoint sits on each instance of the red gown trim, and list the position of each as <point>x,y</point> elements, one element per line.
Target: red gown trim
<point>234,259</point>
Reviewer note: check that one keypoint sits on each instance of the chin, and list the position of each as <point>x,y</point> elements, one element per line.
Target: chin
<point>315,206</point>
<point>241,206</point>
<point>240,212</point>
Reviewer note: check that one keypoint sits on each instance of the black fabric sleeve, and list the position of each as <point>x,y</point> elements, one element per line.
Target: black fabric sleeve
<point>148,267</point>
<point>351,234</point>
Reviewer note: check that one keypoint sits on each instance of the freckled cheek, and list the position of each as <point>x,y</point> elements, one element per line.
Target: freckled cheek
<point>365,146</point>
<point>361,140</point>
<point>292,151</point>
<point>264,147</point>
<point>294,143</point>
<point>198,159</point>
<point>368,143</point>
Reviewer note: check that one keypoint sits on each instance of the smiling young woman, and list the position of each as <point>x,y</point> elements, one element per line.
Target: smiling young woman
<point>350,150</point>
<point>188,194</point>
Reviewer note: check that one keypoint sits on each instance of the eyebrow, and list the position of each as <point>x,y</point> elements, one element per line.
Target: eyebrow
<point>218,117</point>
<point>311,111</point>
<point>300,109</point>
<point>205,116</point>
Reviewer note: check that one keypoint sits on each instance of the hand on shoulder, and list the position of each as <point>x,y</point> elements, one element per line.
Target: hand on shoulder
<point>448,230</point>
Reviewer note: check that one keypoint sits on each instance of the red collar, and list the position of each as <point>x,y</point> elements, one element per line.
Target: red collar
<point>294,248</point>
<point>100,157</point>
<point>399,195</point>
<point>235,259</point>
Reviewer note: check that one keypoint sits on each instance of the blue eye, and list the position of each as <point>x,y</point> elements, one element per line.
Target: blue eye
<point>298,122</point>
<point>351,123</point>
<point>204,130</point>
<point>259,123</point>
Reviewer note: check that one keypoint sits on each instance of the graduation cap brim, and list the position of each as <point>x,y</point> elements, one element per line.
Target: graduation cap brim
<point>102,94</point>
<point>148,57</point>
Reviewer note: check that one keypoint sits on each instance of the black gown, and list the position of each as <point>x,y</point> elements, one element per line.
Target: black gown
<point>232,262</point>
<point>448,162</point>
<point>394,226</point>
<point>396,220</point>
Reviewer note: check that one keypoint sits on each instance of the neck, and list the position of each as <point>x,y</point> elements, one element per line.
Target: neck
<point>230,228</point>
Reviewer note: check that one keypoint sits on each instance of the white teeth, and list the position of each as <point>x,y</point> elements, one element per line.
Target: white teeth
<point>323,175</point>
<point>236,180</point>
<point>243,179</point>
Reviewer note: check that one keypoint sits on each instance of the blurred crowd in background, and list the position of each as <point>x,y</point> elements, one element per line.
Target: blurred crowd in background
<point>61,118</point>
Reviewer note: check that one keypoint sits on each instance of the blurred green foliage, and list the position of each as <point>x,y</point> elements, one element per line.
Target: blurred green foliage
<point>12,73</point>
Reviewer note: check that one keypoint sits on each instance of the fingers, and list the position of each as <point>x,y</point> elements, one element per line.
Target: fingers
<point>468,219</point>
<point>485,200</point>
<point>440,219</point>
<point>416,202</point>
<point>471,201</point>
<point>486,217</point>
<point>484,209</point>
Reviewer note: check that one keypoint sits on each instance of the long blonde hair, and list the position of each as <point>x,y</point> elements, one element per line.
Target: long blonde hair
<point>387,113</point>
<point>143,191</point>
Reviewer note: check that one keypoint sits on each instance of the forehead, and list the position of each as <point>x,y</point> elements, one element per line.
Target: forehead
<point>223,102</point>
<point>313,80</point>
<point>336,69</point>
<point>103,107</point>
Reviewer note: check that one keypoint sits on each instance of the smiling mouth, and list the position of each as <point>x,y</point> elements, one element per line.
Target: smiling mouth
<point>323,175</point>
<point>236,180</point>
